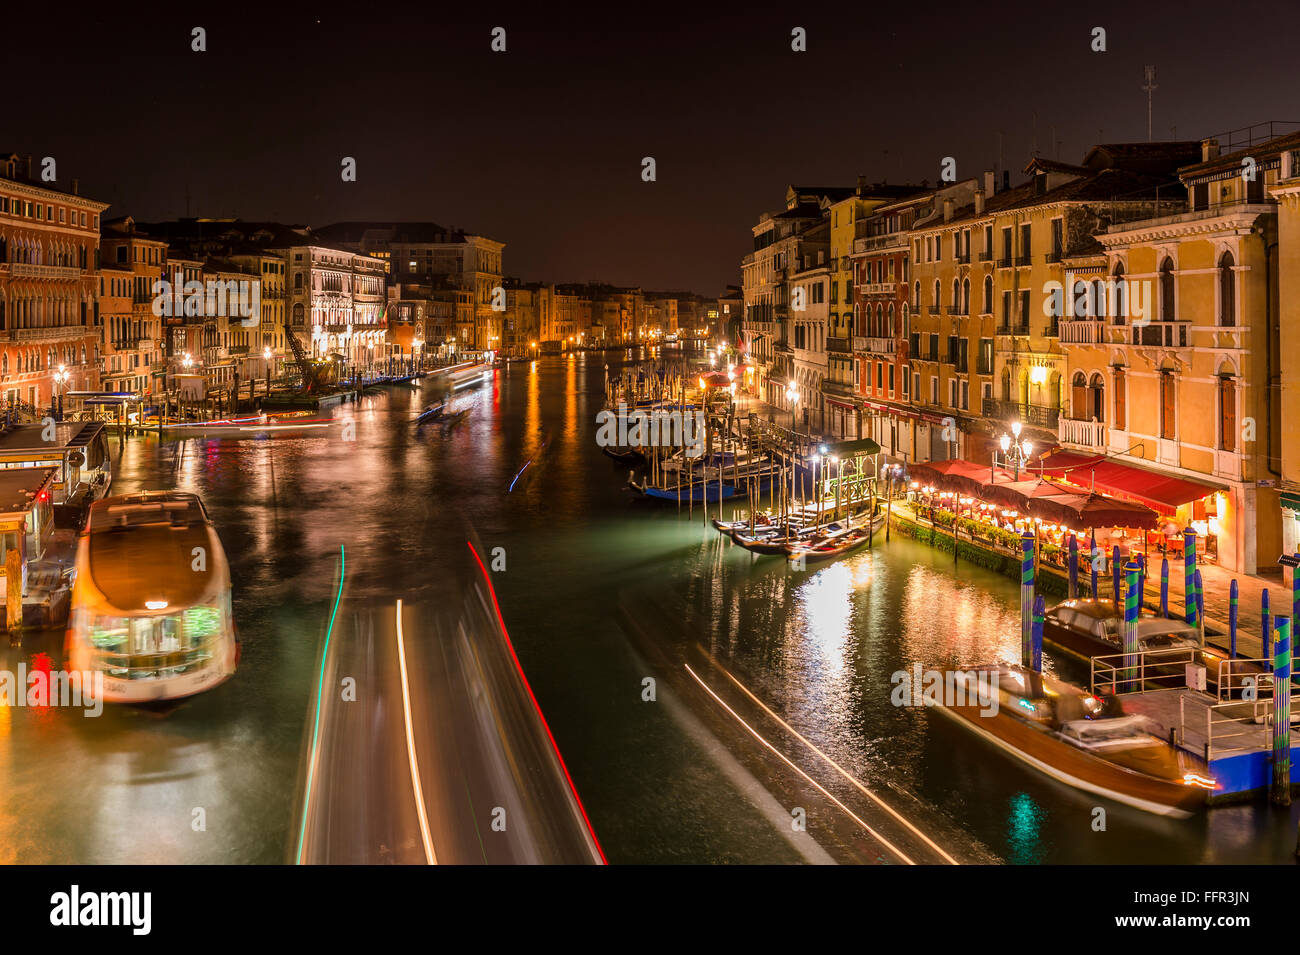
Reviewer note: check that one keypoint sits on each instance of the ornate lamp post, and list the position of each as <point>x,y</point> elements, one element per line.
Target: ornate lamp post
<point>1015,453</point>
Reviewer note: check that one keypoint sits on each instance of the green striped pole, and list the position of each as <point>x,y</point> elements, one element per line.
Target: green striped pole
<point>1233,593</point>
<point>1189,568</point>
<point>1164,587</point>
<point>1040,614</point>
<point>1281,794</point>
<point>1131,571</point>
<point>1026,598</point>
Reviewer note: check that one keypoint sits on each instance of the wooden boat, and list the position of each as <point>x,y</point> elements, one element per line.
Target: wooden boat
<point>1080,739</point>
<point>775,538</point>
<point>625,455</point>
<point>830,546</point>
<point>1094,628</point>
<point>438,414</point>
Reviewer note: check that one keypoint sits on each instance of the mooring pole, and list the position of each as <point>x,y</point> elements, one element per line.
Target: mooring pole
<point>1232,619</point>
<point>1115,570</point>
<point>1189,582</point>
<point>1164,587</point>
<point>1131,612</point>
<point>1026,594</point>
<point>1036,649</point>
<point>1281,795</point>
<point>1074,568</point>
<point>1265,626</point>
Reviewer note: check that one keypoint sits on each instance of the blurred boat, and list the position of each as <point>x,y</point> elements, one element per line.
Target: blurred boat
<point>828,546</point>
<point>1081,739</point>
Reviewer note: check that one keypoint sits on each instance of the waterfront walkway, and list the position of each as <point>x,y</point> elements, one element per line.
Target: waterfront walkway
<point>1215,580</point>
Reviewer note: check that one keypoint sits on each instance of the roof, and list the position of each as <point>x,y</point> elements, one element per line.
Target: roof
<point>1261,152</point>
<point>19,487</point>
<point>1155,158</point>
<point>67,434</point>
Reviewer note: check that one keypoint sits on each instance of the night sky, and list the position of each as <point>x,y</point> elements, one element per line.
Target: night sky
<point>541,146</point>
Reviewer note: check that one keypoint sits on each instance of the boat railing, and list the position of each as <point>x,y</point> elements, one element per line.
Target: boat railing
<point>1121,673</point>
<point>1235,676</point>
<point>1235,726</point>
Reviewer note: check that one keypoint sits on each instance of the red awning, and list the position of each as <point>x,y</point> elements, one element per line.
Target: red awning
<point>1163,492</point>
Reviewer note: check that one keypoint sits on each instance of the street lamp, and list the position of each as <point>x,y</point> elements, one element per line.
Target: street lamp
<point>792,396</point>
<point>1015,452</point>
<point>60,380</point>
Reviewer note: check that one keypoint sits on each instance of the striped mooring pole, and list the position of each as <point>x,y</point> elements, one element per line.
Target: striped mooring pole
<point>1094,558</point>
<point>1074,567</point>
<point>1142,581</point>
<point>1115,573</point>
<point>1131,570</point>
<point>1164,587</point>
<point>1265,626</point>
<point>1200,602</point>
<point>1026,597</point>
<point>1036,637</point>
<point>1189,583</point>
<point>1281,794</point>
<point>1232,619</point>
<point>1295,590</point>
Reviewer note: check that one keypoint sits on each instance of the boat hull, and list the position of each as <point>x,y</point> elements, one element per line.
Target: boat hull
<point>1041,749</point>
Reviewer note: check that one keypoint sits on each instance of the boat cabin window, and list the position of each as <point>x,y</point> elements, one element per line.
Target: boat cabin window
<point>177,512</point>
<point>8,542</point>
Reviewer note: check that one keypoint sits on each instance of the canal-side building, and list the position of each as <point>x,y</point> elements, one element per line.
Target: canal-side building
<point>139,342</point>
<point>810,289</point>
<point>336,298</point>
<point>49,255</point>
<point>883,345</point>
<point>1286,191</point>
<point>119,355</point>
<point>269,333</point>
<point>1177,382</point>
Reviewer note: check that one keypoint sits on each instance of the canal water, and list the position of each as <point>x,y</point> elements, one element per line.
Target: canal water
<point>599,591</point>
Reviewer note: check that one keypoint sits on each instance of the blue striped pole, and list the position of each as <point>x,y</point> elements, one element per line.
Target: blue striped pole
<point>1026,597</point>
<point>1164,587</point>
<point>1036,637</point>
<point>1074,567</point>
<point>1295,591</point>
<point>1131,624</point>
<point>1232,619</point>
<point>1282,714</point>
<point>1265,626</point>
<point>1200,602</point>
<point>1189,568</point>
<point>1142,582</point>
<point>1092,565</point>
<point>1115,570</point>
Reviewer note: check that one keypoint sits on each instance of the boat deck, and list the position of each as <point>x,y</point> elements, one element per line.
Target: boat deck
<point>1235,738</point>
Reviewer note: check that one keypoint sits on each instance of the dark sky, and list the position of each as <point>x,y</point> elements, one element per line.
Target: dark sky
<point>541,146</point>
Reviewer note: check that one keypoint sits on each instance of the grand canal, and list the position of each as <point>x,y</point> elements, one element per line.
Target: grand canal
<point>600,593</point>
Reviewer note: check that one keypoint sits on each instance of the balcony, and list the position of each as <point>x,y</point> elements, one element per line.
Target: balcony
<point>986,256</point>
<point>1159,334</point>
<point>1004,262</point>
<point>1055,256</point>
<point>1053,329</point>
<point>1023,260</point>
<point>1005,329</point>
<point>1039,416</point>
<point>1088,435</point>
<point>56,333</point>
<point>877,346</point>
<point>963,258</point>
<point>1082,332</point>
<point>838,344</point>
<point>934,309</point>
<point>60,272</point>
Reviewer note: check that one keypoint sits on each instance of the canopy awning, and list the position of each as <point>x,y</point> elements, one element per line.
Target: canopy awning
<point>1164,492</point>
<point>848,449</point>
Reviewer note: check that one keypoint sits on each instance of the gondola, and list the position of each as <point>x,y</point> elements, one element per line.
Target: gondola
<point>775,538</point>
<point>834,545</point>
<point>629,456</point>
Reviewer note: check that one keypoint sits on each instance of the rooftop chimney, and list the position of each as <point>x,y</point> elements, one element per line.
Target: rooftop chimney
<point>75,185</point>
<point>862,184</point>
<point>1209,149</point>
<point>990,182</point>
<point>947,209</point>
<point>979,201</point>
<point>1006,179</point>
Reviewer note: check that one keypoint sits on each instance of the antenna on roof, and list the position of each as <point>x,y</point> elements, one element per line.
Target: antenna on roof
<point>1150,87</point>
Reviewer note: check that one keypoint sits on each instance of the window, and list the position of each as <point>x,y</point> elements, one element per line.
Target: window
<point>891,381</point>
<point>1058,240</point>
<point>965,395</point>
<point>1227,291</point>
<point>952,393</point>
<point>1025,233</point>
<point>1167,291</point>
<point>1168,421</point>
<point>934,389</point>
<point>988,296</point>
<point>1227,413</point>
<point>907,380</point>
<point>1119,307</point>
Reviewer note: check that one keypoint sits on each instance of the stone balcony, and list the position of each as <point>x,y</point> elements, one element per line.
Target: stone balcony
<point>62,273</point>
<point>1086,435</point>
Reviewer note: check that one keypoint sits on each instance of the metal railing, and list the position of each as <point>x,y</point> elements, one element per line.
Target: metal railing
<point>1122,673</point>
<point>1160,334</point>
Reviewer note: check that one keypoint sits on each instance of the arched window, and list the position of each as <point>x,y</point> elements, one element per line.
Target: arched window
<point>956,296</point>
<point>988,295</point>
<point>938,299</point>
<point>1227,399</point>
<point>4,364</point>
<point>1096,399</point>
<point>1119,294</point>
<point>1121,417</point>
<point>890,330</point>
<point>1079,396</point>
<point>965,296</point>
<point>916,294</point>
<point>1227,291</point>
<point>1006,384</point>
<point>1167,291</point>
